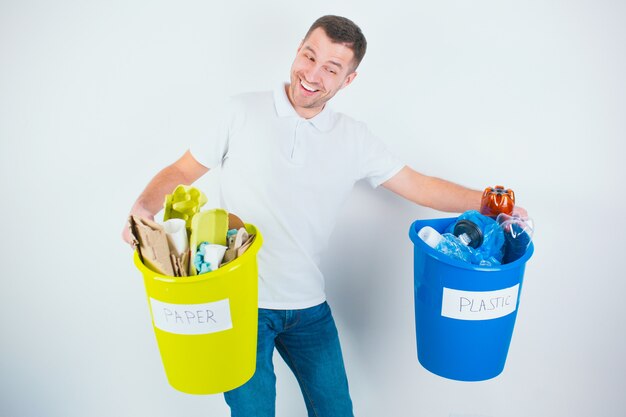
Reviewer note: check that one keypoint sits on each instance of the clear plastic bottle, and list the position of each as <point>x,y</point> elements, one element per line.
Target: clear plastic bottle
<point>487,238</point>
<point>518,233</point>
<point>448,244</point>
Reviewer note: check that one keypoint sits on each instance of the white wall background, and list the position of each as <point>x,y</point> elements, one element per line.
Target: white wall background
<point>95,97</point>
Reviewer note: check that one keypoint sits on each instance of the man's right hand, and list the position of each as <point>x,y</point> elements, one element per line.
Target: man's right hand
<point>138,210</point>
<point>185,171</point>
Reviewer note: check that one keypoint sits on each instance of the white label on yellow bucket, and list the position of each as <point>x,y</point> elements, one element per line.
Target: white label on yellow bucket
<point>479,305</point>
<point>191,318</point>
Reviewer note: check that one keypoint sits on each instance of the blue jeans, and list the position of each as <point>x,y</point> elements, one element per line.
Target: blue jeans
<point>307,340</point>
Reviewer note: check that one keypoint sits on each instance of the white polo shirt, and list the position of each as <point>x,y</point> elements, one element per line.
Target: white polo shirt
<point>289,177</point>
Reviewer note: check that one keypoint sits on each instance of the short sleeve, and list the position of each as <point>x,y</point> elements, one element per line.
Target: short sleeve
<point>211,149</point>
<point>377,163</point>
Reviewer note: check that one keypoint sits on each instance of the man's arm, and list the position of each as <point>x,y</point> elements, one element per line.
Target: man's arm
<point>185,170</point>
<point>433,192</point>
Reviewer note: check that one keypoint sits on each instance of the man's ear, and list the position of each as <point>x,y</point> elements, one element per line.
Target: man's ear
<point>349,79</point>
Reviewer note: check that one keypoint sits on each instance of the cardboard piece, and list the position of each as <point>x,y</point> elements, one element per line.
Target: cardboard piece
<point>159,247</point>
<point>245,245</point>
<point>151,242</point>
<point>176,232</point>
<point>234,242</point>
<point>237,246</point>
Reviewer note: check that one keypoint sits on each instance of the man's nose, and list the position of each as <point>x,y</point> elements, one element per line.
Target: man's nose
<point>313,73</point>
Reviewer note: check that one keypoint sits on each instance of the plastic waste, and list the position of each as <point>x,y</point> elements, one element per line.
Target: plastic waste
<point>518,234</point>
<point>496,200</point>
<point>489,245</point>
<point>470,232</point>
<point>473,238</point>
<point>446,243</point>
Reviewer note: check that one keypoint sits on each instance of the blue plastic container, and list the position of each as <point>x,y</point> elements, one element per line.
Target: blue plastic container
<point>464,314</point>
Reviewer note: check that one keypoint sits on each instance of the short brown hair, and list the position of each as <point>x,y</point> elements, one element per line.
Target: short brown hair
<point>342,30</point>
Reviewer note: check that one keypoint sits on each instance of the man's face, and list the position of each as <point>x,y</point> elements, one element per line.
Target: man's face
<point>320,69</point>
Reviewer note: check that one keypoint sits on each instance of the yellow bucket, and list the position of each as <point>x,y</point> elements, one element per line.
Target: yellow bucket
<point>206,325</point>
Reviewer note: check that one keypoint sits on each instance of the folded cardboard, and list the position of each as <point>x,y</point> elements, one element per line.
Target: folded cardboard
<point>180,264</point>
<point>151,242</point>
<point>236,248</point>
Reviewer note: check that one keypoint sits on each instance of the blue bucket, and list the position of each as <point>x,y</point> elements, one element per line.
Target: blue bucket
<point>464,314</point>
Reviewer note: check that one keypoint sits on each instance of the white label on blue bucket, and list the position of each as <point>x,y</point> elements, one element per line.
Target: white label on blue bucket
<point>192,318</point>
<point>479,305</point>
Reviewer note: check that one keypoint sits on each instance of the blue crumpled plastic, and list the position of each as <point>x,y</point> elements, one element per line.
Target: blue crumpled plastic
<point>198,261</point>
<point>490,251</point>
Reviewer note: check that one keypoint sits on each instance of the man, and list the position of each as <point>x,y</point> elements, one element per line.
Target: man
<point>288,162</point>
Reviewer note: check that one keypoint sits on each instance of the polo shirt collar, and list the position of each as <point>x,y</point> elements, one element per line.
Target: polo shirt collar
<point>322,121</point>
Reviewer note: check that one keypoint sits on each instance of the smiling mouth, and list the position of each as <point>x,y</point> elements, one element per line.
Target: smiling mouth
<point>308,87</point>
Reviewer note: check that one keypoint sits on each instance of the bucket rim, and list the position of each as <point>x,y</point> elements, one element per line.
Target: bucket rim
<point>193,279</point>
<point>433,253</point>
